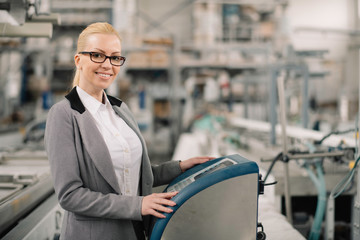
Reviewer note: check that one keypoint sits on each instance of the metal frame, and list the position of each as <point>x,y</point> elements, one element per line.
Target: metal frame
<point>301,68</point>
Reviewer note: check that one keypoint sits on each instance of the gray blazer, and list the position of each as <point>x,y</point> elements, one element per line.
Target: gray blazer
<point>84,177</point>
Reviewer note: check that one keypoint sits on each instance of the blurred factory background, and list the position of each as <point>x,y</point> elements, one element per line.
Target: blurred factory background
<point>206,77</point>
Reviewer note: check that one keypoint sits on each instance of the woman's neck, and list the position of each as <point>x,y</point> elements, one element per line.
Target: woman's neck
<point>98,94</point>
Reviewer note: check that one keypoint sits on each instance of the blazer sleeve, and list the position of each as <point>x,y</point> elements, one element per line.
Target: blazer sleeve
<point>72,195</point>
<point>165,172</point>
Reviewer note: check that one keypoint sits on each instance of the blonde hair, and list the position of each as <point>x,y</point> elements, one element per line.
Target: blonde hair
<point>94,28</point>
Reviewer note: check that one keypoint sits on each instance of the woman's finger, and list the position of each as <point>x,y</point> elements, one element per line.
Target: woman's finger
<point>157,202</point>
<point>163,201</point>
<point>167,195</point>
<point>189,163</point>
<point>157,214</point>
<point>161,208</point>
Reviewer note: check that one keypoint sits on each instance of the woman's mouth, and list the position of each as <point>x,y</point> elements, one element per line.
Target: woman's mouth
<point>104,75</point>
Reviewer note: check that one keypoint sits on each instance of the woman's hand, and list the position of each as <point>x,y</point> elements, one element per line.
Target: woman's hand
<point>189,163</point>
<point>155,203</point>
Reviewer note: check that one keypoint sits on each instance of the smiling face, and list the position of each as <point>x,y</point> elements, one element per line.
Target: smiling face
<point>95,77</point>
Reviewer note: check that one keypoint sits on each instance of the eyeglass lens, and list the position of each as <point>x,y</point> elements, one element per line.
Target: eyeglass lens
<point>100,58</point>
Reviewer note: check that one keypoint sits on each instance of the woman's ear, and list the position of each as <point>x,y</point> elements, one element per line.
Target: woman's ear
<point>77,61</point>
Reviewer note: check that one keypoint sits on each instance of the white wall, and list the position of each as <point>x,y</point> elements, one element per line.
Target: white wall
<point>322,14</point>
<point>337,17</point>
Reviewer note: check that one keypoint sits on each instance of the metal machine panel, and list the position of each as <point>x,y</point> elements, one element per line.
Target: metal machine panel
<point>226,210</point>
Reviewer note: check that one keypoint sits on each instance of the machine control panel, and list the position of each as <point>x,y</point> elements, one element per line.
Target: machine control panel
<point>192,178</point>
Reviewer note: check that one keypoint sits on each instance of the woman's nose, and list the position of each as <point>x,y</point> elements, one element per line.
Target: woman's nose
<point>106,63</point>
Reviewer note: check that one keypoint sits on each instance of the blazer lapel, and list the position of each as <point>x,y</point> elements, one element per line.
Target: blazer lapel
<point>97,149</point>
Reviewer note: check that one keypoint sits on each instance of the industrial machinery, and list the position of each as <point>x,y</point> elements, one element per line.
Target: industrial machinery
<point>216,200</point>
<point>25,182</point>
<point>22,18</point>
<point>26,187</point>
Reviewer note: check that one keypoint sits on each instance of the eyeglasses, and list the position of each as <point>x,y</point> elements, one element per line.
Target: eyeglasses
<point>100,58</point>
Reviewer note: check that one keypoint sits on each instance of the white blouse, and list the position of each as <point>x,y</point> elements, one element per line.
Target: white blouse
<point>122,142</point>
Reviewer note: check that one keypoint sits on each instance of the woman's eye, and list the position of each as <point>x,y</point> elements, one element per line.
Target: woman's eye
<point>97,55</point>
<point>116,58</point>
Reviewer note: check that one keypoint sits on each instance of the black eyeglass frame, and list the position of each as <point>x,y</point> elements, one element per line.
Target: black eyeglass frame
<point>106,57</point>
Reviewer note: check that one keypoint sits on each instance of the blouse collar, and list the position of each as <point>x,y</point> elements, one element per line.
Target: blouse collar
<point>77,104</point>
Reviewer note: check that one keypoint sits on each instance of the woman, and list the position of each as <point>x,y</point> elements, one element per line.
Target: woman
<point>99,162</point>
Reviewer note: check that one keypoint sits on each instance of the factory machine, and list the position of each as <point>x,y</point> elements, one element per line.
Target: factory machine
<point>25,182</point>
<point>22,18</point>
<point>216,200</point>
<point>28,206</point>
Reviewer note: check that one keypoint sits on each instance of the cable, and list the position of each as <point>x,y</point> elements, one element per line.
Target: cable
<point>334,132</point>
<point>272,183</point>
<point>342,186</point>
<point>278,157</point>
